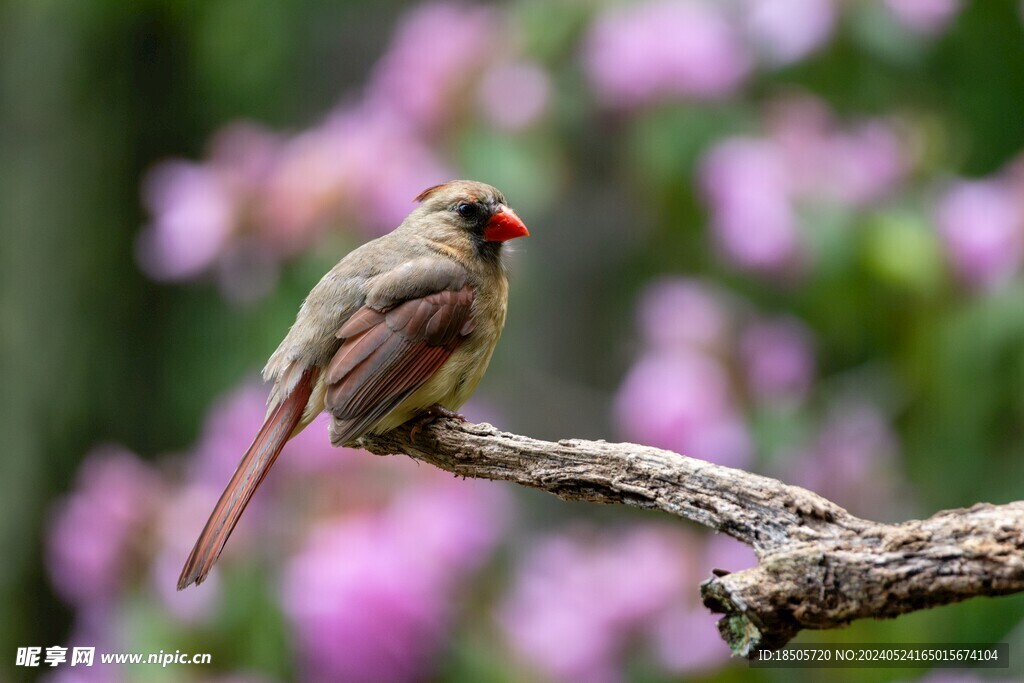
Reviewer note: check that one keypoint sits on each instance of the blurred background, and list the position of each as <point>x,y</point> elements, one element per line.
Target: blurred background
<point>782,235</point>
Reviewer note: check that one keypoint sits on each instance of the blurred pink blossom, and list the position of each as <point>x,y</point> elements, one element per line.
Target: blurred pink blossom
<point>360,610</point>
<point>686,640</point>
<point>860,164</point>
<point>311,179</point>
<point>755,185</point>
<point>853,460</point>
<point>583,599</point>
<point>725,552</point>
<point>90,538</point>
<point>576,600</point>
<point>786,31</point>
<point>178,525</point>
<point>434,52</point>
<point>202,217</point>
<point>513,95</point>
<point>310,452</point>
<point>639,53</point>
<point>395,166</point>
<point>749,188</point>
<point>981,223</point>
<point>681,401</point>
<point>230,426</point>
<point>365,162</point>
<point>371,596</point>
<point>194,214</point>
<point>778,359</point>
<point>450,524</point>
<point>925,16</point>
<point>243,153</point>
<point>680,311</point>
<point>868,165</point>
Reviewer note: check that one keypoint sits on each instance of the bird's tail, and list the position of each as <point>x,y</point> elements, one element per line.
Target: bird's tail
<point>279,426</point>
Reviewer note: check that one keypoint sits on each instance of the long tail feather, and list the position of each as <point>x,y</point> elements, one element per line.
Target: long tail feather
<point>277,429</point>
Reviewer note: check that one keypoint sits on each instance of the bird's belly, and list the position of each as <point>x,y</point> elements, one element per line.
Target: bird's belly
<point>449,387</point>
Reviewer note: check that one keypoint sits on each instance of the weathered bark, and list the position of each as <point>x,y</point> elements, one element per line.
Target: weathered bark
<point>819,566</point>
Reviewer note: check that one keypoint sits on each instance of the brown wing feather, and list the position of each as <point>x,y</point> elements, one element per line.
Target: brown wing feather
<point>388,355</point>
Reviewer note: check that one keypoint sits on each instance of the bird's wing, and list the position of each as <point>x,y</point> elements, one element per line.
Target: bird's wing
<point>394,344</point>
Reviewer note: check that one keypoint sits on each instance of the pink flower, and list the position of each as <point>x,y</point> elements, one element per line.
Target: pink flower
<point>867,164</point>
<point>359,608</point>
<point>195,213</point>
<point>372,596</point>
<point>314,175</point>
<point>639,53</point>
<point>177,526</point>
<point>681,401</point>
<point>432,55</point>
<point>786,31</point>
<point>754,185</point>
<point>243,153</point>
<point>778,359</point>
<point>982,225</point>
<point>678,311</point>
<point>229,428</point>
<point>852,461</point>
<point>576,600</point>
<point>365,162</point>
<point>748,186</point>
<point>90,537</point>
<point>855,166</point>
<point>686,638</point>
<point>513,95</point>
<point>583,599</point>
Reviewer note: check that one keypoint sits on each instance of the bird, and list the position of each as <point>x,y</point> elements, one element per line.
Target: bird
<point>401,329</point>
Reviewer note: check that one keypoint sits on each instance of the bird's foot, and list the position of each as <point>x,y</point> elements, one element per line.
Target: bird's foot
<point>429,415</point>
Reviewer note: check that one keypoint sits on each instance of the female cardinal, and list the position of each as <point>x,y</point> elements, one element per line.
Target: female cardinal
<point>403,326</point>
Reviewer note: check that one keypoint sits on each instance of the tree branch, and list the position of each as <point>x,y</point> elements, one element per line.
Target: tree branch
<point>819,566</point>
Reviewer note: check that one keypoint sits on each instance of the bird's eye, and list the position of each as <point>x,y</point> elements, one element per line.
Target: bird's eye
<point>466,210</point>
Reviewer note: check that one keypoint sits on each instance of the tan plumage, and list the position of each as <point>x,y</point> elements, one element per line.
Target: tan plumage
<point>403,323</point>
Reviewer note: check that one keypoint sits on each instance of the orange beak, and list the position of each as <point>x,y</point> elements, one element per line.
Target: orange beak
<point>504,225</point>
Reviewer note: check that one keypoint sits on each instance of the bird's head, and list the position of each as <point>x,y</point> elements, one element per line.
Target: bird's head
<point>464,210</point>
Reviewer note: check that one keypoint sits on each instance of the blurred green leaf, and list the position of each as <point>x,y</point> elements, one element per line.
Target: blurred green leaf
<point>901,249</point>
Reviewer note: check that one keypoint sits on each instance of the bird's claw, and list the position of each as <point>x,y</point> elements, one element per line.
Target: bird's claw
<point>429,415</point>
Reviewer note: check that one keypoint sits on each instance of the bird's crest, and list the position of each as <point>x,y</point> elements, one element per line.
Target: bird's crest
<point>427,193</point>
